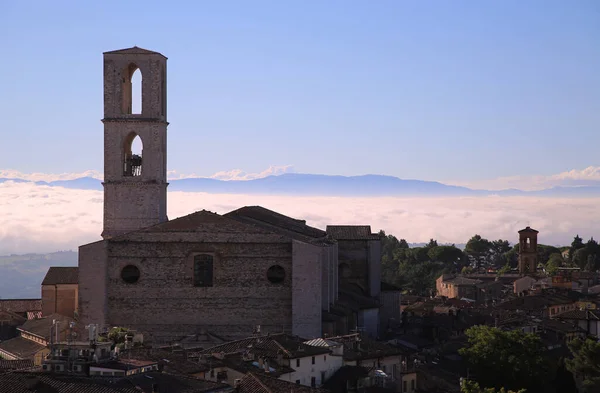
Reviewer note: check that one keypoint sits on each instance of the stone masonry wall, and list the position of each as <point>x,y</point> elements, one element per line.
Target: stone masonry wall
<point>355,253</point>
<point>164,302</point>
<point>132,203</point>
<point>374,267</point>
<point>306,290</point>
<point>92,284</point>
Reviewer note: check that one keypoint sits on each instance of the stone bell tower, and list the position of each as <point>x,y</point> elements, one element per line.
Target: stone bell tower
<point>135,185</point>
<point>527,251</point>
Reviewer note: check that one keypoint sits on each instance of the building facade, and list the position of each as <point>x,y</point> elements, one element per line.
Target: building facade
<point>226,274</point>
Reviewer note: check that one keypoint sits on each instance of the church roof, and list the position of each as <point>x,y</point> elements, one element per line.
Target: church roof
<point>277,222</point>
<point>133,51</point>
<point>204,221</point>
<point>351,232</point>
<point>528,229</point>
<point>61,275</point>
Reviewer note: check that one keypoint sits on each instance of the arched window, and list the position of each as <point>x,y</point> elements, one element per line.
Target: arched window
<point>131,86</point>
<point>132,162</point>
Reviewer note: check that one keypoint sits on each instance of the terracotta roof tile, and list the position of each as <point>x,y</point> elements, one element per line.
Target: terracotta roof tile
<point>580,315</point>
<point>21,306</point>
<point>19,382</point>
<point>275,221</point>
<point>21,347</point>
<point>204,221</point>
<point>268,346</point>
<point>41,327</point>
<point>253,383</point>
<point>61,275</point>
<point>22,364</point>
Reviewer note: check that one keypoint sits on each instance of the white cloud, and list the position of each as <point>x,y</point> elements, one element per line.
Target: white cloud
<point>48,177</point>
<point>572,178</point>
<point>45,219</point>
<point>236,174</point>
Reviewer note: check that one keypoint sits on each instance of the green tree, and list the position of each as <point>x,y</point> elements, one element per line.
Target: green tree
<point>118,336</point>
<point>507,359</point>
<point>432,243</point>
<point>478,248</point>
<point>391,248</point>
<point>544,252</point>
<point>503,270</point>
<point>498,249</point>
<point>473,387</point>
<point>585,363</point>
<point>446,254</point>
<point>554,262</point>
<point>419,254</point>
<point>576,244</point>
<point>580,257</point>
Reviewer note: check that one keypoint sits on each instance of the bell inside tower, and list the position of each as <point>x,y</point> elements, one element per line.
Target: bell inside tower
<point>132,165</point>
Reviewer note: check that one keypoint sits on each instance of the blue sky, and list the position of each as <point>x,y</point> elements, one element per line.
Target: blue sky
<point>440,90</point>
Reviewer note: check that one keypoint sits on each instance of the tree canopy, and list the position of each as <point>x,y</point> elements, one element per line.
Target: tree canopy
<point>415,269</point>
<point>586,363</point>
<point>473,387</point>
<point>508,359</point>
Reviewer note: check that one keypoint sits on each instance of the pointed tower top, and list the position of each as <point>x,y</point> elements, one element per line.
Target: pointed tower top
<point>133,51</point>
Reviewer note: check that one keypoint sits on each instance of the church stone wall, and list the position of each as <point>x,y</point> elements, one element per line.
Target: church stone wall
<point>307,277</point>
<point>374,267</point>
<point>92,284</point>
<point>328,271</point>
<point>164,302</point>
<point>355,254</point>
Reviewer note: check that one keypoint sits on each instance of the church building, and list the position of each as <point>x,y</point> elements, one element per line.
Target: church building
<point>205,272</point>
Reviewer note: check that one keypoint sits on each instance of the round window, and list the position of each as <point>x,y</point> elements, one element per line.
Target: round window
<point>276,274</point>
<point>130,274</point>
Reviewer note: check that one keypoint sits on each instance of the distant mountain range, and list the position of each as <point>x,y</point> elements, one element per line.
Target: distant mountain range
<point>21,275</point>
<point>327,185</point>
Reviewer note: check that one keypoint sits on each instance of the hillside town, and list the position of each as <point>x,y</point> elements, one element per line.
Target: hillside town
<point>256,301</point>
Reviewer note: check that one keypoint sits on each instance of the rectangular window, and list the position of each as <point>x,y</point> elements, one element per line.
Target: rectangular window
<point>203,270</point>
<point>412,385</point>
<point>405,387</point>
<point>313,382</point>
<point>297,362</point>
<point>322,377</point>
<point>297,382</point>
<point>313,360</point>
<point>324,358</point>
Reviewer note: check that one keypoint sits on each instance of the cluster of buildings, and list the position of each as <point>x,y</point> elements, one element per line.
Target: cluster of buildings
<point>200,286</point>
<point>251,300</point>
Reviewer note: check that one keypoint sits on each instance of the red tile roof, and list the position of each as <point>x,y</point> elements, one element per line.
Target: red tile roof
<point>21,306</point>
<point>277,222</point>
<point>253,383</point>
<point>19,382</point>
